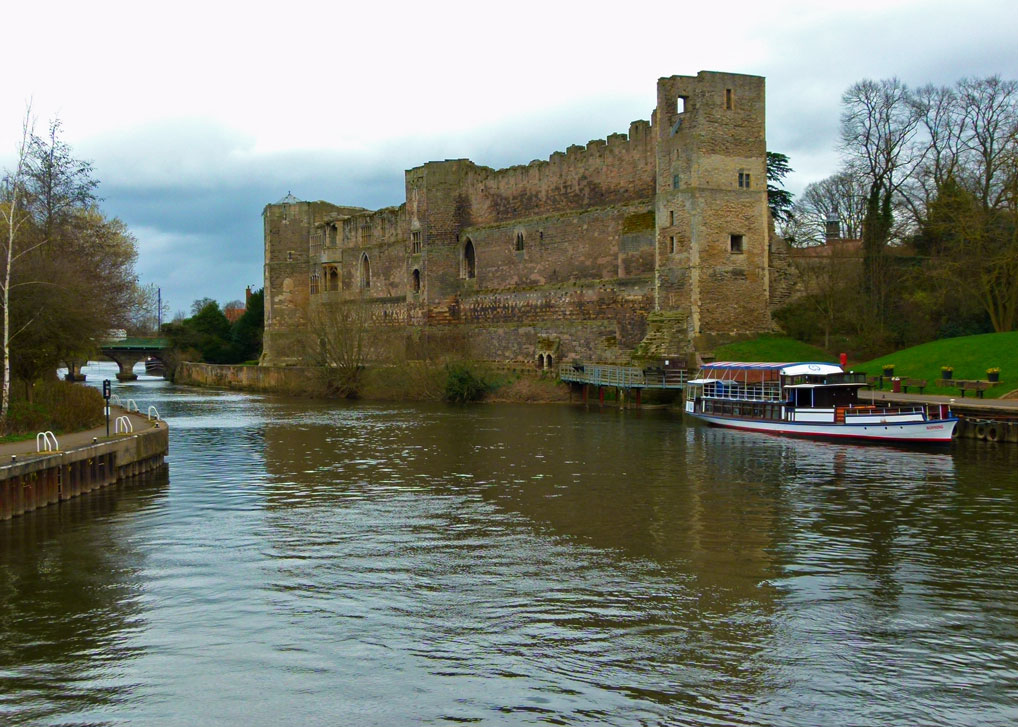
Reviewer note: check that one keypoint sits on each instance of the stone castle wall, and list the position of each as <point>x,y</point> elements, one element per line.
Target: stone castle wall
<point>565,256</point>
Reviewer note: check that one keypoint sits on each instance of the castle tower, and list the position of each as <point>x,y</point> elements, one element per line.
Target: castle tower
<point>711,203</point>
<point>289,226</point>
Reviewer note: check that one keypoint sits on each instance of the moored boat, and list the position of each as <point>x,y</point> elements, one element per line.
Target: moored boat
<point>807,399</point>
<point>154,366</point>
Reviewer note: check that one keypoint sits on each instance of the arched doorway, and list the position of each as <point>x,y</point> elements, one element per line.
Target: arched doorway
<point>416,281</point>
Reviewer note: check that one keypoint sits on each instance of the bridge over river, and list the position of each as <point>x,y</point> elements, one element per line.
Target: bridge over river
<point>126,352</point>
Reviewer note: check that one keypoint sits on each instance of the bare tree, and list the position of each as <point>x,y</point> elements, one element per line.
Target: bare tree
<point>840,197</point>
<point>14,217</point>
<point>989,107</point>
<point>879,129</point>
<point>338,345</point>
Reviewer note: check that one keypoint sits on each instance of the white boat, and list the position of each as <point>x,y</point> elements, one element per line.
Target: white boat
<point>807,399</point>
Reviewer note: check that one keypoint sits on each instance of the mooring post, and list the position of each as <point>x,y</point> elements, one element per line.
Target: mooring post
<point>600,395</point>
<point>639,398</point>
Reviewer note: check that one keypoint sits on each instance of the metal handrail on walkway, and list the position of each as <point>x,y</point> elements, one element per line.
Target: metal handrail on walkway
<point>43,440</point>
<point>123,425</point>
<point>623,377</point>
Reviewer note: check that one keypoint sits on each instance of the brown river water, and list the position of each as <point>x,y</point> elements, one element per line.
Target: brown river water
<point>310,563</point>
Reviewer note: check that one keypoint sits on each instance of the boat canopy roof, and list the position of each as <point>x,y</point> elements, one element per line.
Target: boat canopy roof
<point>802,368</point>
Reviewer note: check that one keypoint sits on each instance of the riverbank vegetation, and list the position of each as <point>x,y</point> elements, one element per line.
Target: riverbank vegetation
<point>916,237</point>
<point>66,270</point>
<point>771,348</point>
<point>54,405</point>
<point>208,335</point>
<point>968,357</point>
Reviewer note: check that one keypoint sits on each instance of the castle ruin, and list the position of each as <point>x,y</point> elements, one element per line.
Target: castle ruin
<point>654,243</point>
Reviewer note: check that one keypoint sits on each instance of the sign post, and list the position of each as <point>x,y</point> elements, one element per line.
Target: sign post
<point>106,396</point>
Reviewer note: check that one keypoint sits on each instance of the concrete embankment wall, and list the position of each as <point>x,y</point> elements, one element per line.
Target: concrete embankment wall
<point>282,379</point>
<point>37,480</point>
<point>987,427</point>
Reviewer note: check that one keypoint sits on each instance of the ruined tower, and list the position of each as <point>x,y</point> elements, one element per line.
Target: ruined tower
<point>711,205</point>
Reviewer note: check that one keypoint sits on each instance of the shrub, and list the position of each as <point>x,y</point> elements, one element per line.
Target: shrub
<point>463,385</point>
<point>68,406</point>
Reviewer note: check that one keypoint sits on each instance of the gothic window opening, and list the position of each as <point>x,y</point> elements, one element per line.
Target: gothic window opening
<point>416,281</point>
<point>333,279</point>
<point>365,271</point>
<point>519,241</point>
<point>468,266</point>
<point>415,241</point>
<point>736,244</point>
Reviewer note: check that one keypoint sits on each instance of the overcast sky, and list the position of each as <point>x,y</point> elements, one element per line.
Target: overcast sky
<point>197,114</point>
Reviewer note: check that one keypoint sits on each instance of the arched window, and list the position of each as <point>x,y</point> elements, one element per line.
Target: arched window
<point>549,362</point>
<point>365,271</point>
<point>540,361</point>
<point>468,268</point>
<point>416,281</point>
<point>333,279</point>
<point>519,241</point>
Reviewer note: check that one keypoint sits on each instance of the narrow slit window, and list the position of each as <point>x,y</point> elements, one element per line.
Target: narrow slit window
<point>671,217</point>
<point>728,99</point>
<point>671,245</point>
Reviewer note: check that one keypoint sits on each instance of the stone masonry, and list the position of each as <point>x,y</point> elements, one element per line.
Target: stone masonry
<point>557,259</point>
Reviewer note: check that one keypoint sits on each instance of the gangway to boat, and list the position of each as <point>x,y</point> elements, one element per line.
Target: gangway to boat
<point>623,377</point>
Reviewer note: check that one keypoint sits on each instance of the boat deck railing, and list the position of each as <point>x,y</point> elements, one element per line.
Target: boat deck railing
<point>729,392</point>
<point>623,377</point>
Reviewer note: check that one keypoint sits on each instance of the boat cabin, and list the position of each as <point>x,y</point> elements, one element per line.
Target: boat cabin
<point>772,390</point>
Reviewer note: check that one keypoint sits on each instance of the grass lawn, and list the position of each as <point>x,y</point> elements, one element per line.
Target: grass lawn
<point>969,356</point>
<point>768,347</point>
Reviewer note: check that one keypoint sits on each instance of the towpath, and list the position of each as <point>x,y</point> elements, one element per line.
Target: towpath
<point>968,403</point>
<point>73,440</point>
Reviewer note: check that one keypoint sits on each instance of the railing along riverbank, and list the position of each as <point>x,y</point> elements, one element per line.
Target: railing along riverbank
<point>88,461</point>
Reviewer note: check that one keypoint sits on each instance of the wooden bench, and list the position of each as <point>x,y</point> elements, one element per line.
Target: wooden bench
<point>975,385</point>
<point>916,383</point>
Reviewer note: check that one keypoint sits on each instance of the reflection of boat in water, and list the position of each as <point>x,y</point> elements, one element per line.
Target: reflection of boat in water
<point>154,367</point>
<point>817,400</point>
